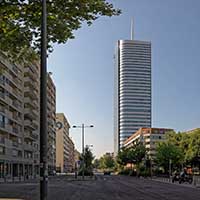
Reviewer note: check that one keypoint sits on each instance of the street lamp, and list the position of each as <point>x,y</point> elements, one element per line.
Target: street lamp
<point>83,126</point>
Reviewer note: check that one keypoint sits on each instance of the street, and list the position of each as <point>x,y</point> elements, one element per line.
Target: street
<point>104,188</point>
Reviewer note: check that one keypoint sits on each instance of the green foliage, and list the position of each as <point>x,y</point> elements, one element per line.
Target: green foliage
<point>133,155</point>
<point>107,162</point>
<point>192,152</point>
<point>96,164</point>
<point>145,172</point>
<point>122,157</point>
<point>166,152</point>
<point>88,158</point>
<point>136,154</point>
<point>20,23</point>
<point>189,143</point>
<point>87,172</point>
<point>127,171</point>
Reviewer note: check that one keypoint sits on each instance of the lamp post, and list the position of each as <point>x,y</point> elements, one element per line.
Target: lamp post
<point>43,105</point>
<point>89,145</point>
<point>83,126</point>
<point>170,169</point>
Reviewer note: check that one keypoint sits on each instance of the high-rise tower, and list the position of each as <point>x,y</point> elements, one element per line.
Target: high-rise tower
<point>132,106</point>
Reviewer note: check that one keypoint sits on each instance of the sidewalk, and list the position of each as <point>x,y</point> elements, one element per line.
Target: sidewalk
<point>18,180</point>
<point>195,183</point>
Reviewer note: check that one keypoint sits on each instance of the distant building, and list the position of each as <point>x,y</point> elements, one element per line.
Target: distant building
<point>64,145</point>
<point>132,97</point>
<point>51,119</point>
<point>77,155</point>
<point>191,131</point>
<point>148,137</point>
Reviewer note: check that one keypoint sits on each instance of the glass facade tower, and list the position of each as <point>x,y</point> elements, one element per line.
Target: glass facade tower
<point>132,97</point>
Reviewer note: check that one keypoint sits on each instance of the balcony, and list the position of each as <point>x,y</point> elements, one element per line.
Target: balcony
<point>7,75</point>
<point>35,124</point>
<point>30,113</point>
<point>15,130</point>
<point>30,125</point>
<point>8,114</point>
<point>15,117</point>
<point>29,147</point>
<point>2,82</point>
<point>16,93</point>
<point>2,96</point>
<point>15,80</point>
<point>32,69</point>
<point>2,109</point>
<point>32,103</point>
<point>10,66</point>
<point>31,93</point>
<point>31,135</point>
<point>9,129</point>
<point>17,105</point>
<point>31,74</point>
<point>30,84</point>
<point>2,140</point>
<point>5,99</point>
<point>15,144</point>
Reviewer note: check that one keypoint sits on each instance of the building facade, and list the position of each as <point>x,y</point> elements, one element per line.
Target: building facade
<point>149,137</point>
<point>64,145</point>
<point>132,98</point>
<point>51,117</point>
<point>19,119</point>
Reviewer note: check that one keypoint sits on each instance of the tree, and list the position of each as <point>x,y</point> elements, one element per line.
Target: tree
<point>189,143</point>
<point>132,155</point>
<point>107,162</point>
<point>192,153</point>
<point>87,158</point>
<point>20,22</point>
<point>136,154</point>
<point>167,152</point>
<point>122,157</point>
<point>96,164</point>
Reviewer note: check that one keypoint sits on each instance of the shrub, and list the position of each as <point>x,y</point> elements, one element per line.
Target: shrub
<point>86,172</point>
<point>128,172</point>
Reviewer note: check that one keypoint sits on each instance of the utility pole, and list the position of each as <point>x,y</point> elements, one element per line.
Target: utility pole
<point>43,105</point>
<point>170,169</point>
<point>83,126</point>
<point>83,150</point>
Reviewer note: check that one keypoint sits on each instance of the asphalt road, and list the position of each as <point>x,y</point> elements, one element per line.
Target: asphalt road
<point>104,188</point>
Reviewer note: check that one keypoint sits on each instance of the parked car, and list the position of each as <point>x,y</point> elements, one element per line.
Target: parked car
<point>107,172</point>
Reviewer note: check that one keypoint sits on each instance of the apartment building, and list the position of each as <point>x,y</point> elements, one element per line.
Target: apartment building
<point>31,120</point>
<point>51,114</point>
<point>148,137</point>
<point>64,145</point>
<point>192,131</point>
<point>19,119</point>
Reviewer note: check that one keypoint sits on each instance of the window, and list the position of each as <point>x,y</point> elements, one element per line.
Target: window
<point>14,153</point>
<point>2,121</point>
<point>2,150</point>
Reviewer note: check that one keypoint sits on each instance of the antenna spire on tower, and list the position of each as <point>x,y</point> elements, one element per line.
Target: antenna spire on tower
<point>132,29</point>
